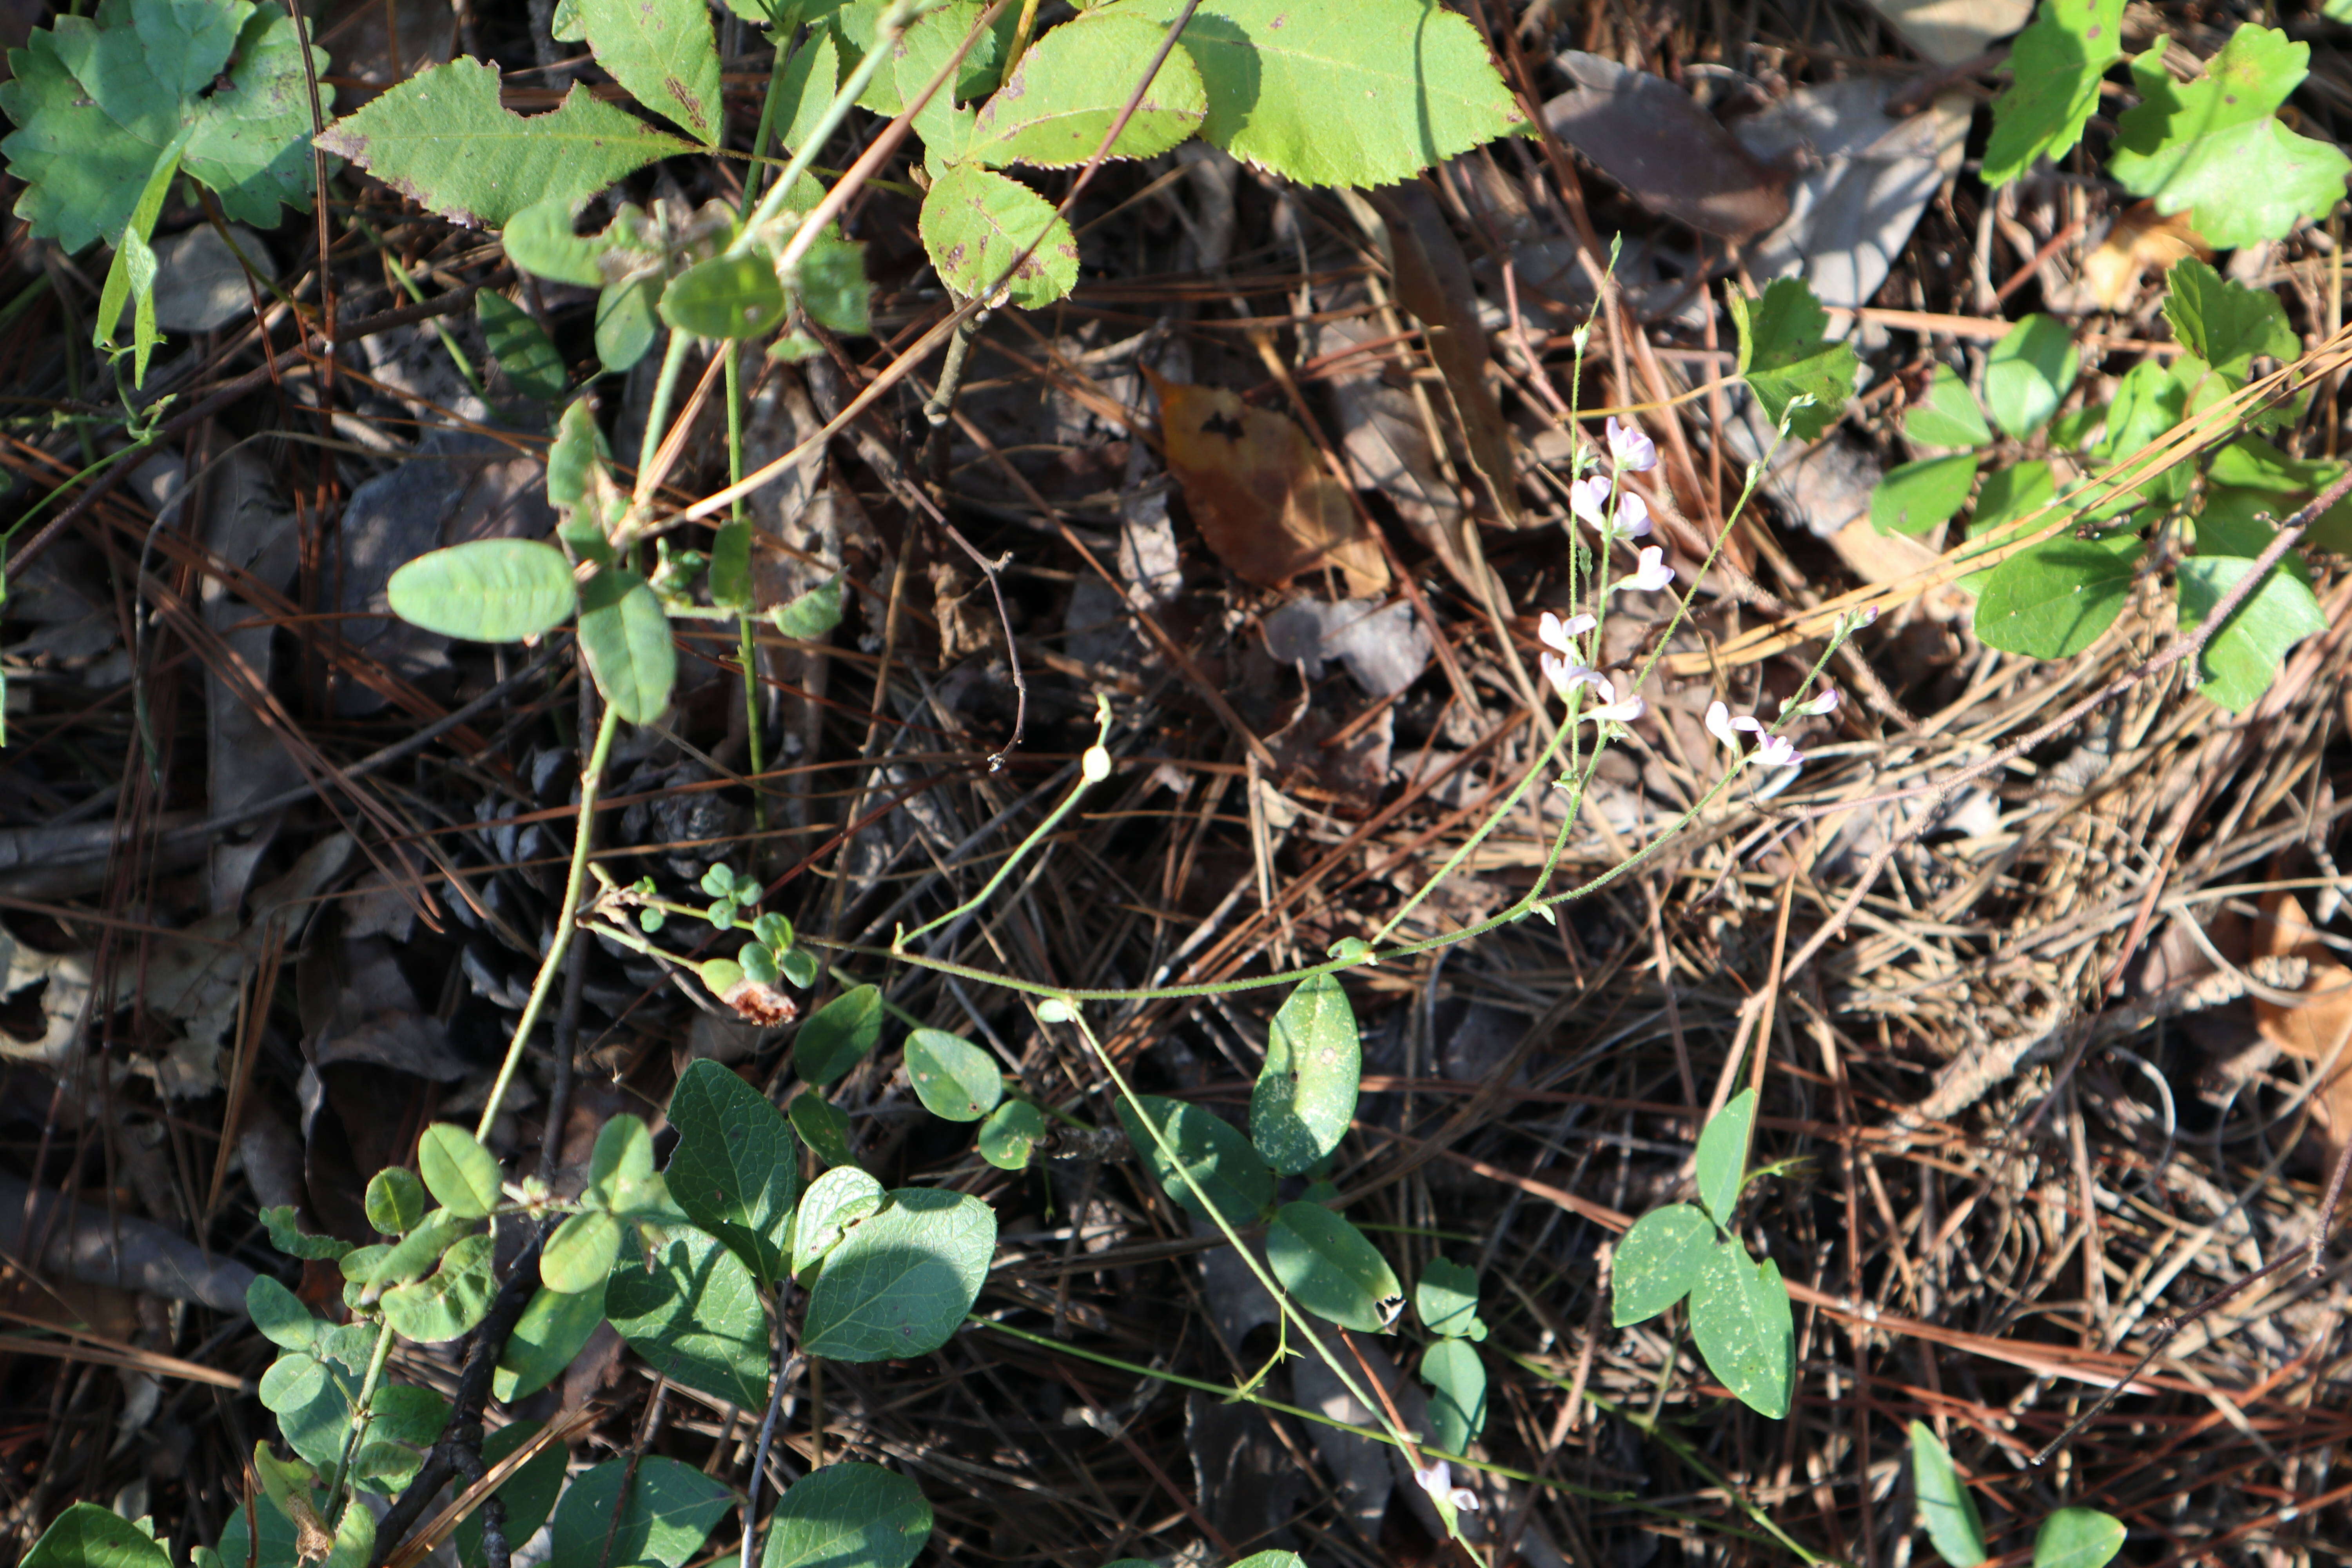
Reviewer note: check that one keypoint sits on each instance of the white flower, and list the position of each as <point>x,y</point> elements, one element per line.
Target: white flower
<point>1719,724</point>
<point>1624,713</point>
<point>1555,633</point>
<point>1825,703</point>
<point>1437,1481</point>
<point>1588,498</point>
<point>1651,574</point>
<point>1632,450</point>
<point>1566,678</point>
<point>1771,750</point>
<point>1632,517</point>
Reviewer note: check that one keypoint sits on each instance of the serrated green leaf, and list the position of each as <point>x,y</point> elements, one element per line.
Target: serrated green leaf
<point>1306,1093</point>
<point>553,1330</point>
<point>1946,1505</point>
<point>580,1254</point>
<point>88,1536</point>
<point>953,1077</point>
<point>1740,1316</point>
<point>1457,1379</point>
<point>848,1516</point>
<point>461,1174</point>
<point>2244,655</point>
<point>2077,1538</point>
<point>725,297</point>
<point>810,616</point>
<point>93,114</point>
<point>1723,1155</point>
<point>1329,1267</point>
<point>901,1283</point>
<point>522,347</point>
<point>626,323</point>
<point>529,1494</point>
<point>1069,88</point>
<point>823,1128</point>
<point>1916,497</point>
<point>974,222</point>
<point>2028,372</point>
<point>2057,598</point>
<point>943,122</point>
<point>2214,149</point>
<point>187,41</point>
<point>441,138</point>
<point>486,590</point>
<point>394,1201</point>
<point>1783,357</point>
<point>1410,82</point>
<point>838,1035</point>
<point>1211,1154</point>
<point>1446,1299</point>
<point>450,1300</point>
<point>664,53</point>
<point>2056,68</point>
<point>2226,325</point>
<point>1948,416</point>
<point>695,1317</point>
<point>1658,1262</point>
<point>663,1519</point>
<point>624,634</point>
<point>833,1201</point>
<point>1009,1136</point>
<point>736,1170</point>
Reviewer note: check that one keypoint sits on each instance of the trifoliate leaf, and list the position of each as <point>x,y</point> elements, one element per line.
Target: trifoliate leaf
<point>2225,324</point>
<point>2213,148</point>
<point>1365,93</point>
<point>2056,65</point>
<point>95,107</point>
<point>441,138</point>
<point>664,53</point>
<point>1782,357</point>
<point>1068,89</point>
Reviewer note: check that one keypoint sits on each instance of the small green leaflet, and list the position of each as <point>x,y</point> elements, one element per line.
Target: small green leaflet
<point>95,104</point>
<point>1946,1505</point>
<point>1410,81</point>
<point>1330,1269</point>
<point>2214,148</point>
<point>736,1170</point>
<point>725,297</point>
<point>1784,358</point>
<point>394,1201</point>
<point>1457,1393</point>
<point>1010,1134</point>
<point>1920,496</point>
<point>1658,1262</point>
<point>553,1330</point>
<point>823,1128</point>
<point>441,138</point>
<point>625,633</point>
<point>461,1174</point>
<point>1306,1094</point>
<point>522,347</point>
<point>1948,416</point>
<point>2246,652</point>
<point>1209,1151</point>
<point>1740,1316</point>
<point>975,223</point>
<point>901,1283</point>
<point>486,590</point>
<point>838,1035</point>
<point>89,1536</point>
<point>811,615</point>
<point>287,1236</point>
<point>450,1300</point>
<point>2226,325</point>
<point>833,1201</point>
<point>2056,66</point>
<point>1070,87</point>
<point>1723,1155</point>
<point>848,1516</point>
<point>2077,1538</point>
<point>696,1316</point>
<point>581,1252</point>
<point>2028,372</point>
<point>2057,598</point>
<point>664,52</point>
<point>1447,1298</point>
<point>668,1510</point>
<point>132,272</point>
<point>953,1077</point>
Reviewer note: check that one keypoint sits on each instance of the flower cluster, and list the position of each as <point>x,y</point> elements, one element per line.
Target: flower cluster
<point>1771,750</point>
<point>1563,666</point>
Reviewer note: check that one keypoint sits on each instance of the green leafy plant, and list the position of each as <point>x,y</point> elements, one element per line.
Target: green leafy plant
<point>2068,1538</point>
<point>1739,1307</point>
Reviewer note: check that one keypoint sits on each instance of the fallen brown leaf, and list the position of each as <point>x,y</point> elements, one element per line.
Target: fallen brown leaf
<point>2320,1030</point>
<point>1645,134</point>
<point>2143,240</point>
<point>1259,493</point>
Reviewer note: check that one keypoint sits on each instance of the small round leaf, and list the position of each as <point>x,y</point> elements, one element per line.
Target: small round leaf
<point>580,1253</point>
<point>462,1175</point>
<point>725,297</point>
<point>953,1077</point>
<point>394,1201</point>
<point>1009,1133</point>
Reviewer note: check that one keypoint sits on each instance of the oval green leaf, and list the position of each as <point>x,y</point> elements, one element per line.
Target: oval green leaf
<point>553,1330</point>
<point>2245,654</point>
<point>88,1536</point>
<point>2029,372</point>
<point>838,1035</point>
<point>1306,1094</point>
<point>1328,1266</point>
<point>1948,416</point>
<point>974,222</point>
<point>1723,1155</point>
<point>2077,1538</point>
<point>725,297</point>
<point>901,1283</point>
<point>486,590</point>
<point>626,321</point>
<point>394,1201</point>
<point>953,1078</point>
<point>280,1315</point>
<point>1945,1506</point>
<point>823,1128</point>
<point>667,1511</point>
<point>1740,1316</point>
<point>1920,496</point>
<point>1070,87</point>
<point>1447,1298</point>
<point>461,1174</point>
<point>1010,1134</point>
<point>1658,1262</point>
<point>848,1516</point>
<point>448,1302</point>
<point>580,1254</point>
<point>625,636</point>
<point>736,1170</point>
<point>1210,1153</point>
<point>522,347</point>
<point>833,1201</point>
<point>2058,598</point>
<point>538,240</point>
<point>695,1316</point>
<point>1457,1393</point>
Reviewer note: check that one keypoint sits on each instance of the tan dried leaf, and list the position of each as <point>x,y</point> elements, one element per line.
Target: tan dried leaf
<point>2320,1031</point>
<point>2143,240</point>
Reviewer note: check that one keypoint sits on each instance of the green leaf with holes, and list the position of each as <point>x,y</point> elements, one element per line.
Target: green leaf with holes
<point>1326,1263</point>
<point>695,1315</point>
<point>1306,1093</point>
<point>1740,1316</point>
<point>848,1516</point>
<point>901,1283</point>
<point>953,1077</point>
<point>736,1170</point>
<point>2057,598</point>
<point>486,590</point>
<point>624,634</point>
<point>1010,1134</point>
<point>975,225</point>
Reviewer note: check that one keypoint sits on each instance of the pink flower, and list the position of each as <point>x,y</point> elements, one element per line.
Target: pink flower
<point>1633,451</point>
<point>1563,664</point>
<point>1554,633</point>
<point>1437,1481</point>
<point>1826,703</point>
<point>1632,517</point>
<point>1624,713</point>
<point>1566,678</point>
<point>1771,750</point>
<point>1588,498</point>
<point>1719,724</point>
<point>1651,574</point>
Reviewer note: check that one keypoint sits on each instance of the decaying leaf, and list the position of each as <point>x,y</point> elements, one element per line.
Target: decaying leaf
<point>1646,134</point>
<point>1258,491</point>
<point>2320,1031</point>
<point>2143,240</point>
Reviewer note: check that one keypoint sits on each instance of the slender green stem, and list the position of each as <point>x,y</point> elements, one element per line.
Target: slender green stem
<point>745,652</point>
<point>657,418</point>
<point>1494,820</point>
<point>776,64</point>
<point>360,1414</point>
<point>582,834</point>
